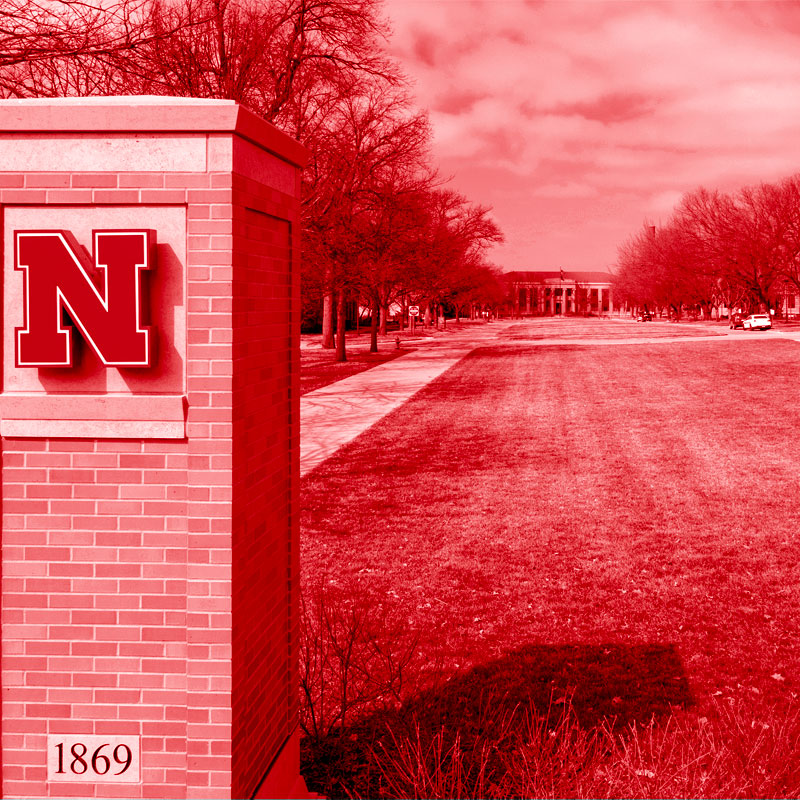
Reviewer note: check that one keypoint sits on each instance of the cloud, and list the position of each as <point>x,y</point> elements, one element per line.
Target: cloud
<point>608,111</point>
<point>663,202</point>
<point>565,189</point>
<point>612,107</point>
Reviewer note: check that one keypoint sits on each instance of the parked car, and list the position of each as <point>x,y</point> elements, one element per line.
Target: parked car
<point>736,321</point>
<point>759,321</point>
<point>645,316</point>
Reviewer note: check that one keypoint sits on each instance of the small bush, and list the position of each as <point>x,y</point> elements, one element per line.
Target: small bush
<point>354,659</point>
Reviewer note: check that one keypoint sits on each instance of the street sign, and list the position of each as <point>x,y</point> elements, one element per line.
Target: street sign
<point>413,311</point>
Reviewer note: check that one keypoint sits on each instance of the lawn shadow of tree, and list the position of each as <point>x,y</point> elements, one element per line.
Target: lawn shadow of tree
<point>626,682</point>
<point>612,684</point>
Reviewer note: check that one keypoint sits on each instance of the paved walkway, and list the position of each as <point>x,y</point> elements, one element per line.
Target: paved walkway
<point>334,415</point>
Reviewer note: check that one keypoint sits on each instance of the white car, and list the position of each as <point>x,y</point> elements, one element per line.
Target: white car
<point>760,321</point>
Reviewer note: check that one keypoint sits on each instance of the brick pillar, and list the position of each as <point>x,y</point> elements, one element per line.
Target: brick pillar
<point>150,514</point>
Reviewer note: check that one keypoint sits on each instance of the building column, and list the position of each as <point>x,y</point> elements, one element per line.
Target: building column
<point>552,302</point>
<point>528,300</point>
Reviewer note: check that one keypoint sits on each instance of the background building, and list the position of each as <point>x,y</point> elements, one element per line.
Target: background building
<point>561,292</point>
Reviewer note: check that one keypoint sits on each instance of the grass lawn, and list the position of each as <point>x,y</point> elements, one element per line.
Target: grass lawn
<point>319,368</point>
<point>615,526</point>
<point>567,328</point>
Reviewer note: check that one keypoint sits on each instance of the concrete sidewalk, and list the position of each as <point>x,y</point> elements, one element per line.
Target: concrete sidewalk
<point>335,414</point>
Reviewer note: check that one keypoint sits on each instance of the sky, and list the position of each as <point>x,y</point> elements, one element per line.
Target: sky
<point>579,121</point>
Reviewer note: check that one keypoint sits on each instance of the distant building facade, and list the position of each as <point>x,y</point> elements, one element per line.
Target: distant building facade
<point>556,293</point>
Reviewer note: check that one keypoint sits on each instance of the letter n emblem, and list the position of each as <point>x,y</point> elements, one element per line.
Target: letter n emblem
<point>57,279</point>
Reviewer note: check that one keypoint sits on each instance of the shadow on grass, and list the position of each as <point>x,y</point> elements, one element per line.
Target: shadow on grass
<point>629,683</point>
<point>494,702</point>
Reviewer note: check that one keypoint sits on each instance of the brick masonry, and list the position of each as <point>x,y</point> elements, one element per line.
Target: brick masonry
<point>149,585</point>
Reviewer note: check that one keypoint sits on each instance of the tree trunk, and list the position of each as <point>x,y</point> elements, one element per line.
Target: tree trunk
<point>427,318</point>
<point>384,317</point>
<point>341,351</point>
<point>373,323</point>
<point>327,321</point>
<point>440,311</point>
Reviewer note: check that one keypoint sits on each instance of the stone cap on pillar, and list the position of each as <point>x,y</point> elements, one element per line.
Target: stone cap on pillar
<point>147,114</point>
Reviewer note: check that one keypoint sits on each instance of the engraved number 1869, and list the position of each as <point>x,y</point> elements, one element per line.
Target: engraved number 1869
<point>77,763</point>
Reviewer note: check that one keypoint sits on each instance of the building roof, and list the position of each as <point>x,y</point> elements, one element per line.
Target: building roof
<point>546,276</point>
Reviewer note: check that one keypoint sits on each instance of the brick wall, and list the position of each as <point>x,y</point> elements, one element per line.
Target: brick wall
<point>145,581</point>
<point>261,491</point>
<point>94,605</point>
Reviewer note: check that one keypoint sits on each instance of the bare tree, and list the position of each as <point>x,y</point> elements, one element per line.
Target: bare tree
<point>456,240</point>
<point>260,54</point>
<point>785,199</point>
<point>370,140</point>
<point>395,217</point>
<point>256,53</point>
<point>716,250</point>
<point>759,224</point>
<point>51,48</point>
